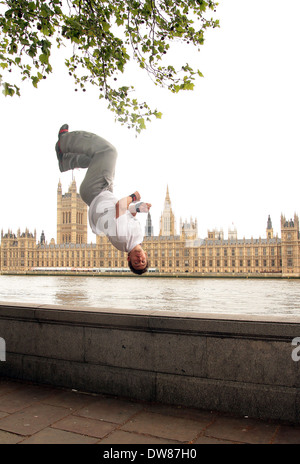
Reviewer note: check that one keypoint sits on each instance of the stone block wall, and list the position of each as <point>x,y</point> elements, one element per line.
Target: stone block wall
<point>227,363</point>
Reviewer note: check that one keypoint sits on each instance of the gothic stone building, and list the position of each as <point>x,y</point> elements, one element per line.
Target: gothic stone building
<point>168,252</point>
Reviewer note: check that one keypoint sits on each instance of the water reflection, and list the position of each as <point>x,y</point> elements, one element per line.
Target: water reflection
<point>70,293</point>
<point>75,298</point>
<point>234,296</point>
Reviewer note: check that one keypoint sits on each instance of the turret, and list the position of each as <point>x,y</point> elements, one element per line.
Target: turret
<point>148,226</point>
<point>269,228</point>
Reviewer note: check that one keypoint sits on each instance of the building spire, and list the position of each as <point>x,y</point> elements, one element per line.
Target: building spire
<point>149,227</point>
<point>269,228</point>
<point>269,223</point>
<point>167,219</point>
<point>168,195</point>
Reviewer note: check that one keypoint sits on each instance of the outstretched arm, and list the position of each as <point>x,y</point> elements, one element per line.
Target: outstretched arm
<point>123,204</point>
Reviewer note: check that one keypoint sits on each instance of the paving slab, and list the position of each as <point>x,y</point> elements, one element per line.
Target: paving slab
<point>203,440</point>
<point>111,410</point>
<point>120,437</point>
<point>199,415</point>
<point>85,426</point>
<point>18,398</point>
<point>174,428</point>
<point>7,438</point>
<point>32,419</point>
<point>6,386</point>
<point>72,400</point>
<point>242,430</point>
<point>289,435</point>
<point>50,436</point>
<point>38,414</point>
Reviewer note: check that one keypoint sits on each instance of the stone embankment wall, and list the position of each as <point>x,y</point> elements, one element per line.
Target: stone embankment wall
<point>243,364</point>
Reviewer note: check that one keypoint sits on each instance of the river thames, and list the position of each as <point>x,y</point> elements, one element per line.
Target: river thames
<point>200,295</point>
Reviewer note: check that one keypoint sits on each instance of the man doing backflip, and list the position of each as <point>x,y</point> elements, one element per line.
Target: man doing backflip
<point>115,218</point>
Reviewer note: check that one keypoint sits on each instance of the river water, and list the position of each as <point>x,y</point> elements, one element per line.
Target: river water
<point>206,295</point>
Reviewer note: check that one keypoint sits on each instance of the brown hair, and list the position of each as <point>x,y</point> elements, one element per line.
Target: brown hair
<point>138,271</point>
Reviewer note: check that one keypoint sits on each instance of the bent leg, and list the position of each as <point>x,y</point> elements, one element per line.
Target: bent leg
<point>78,148</point>
<point>100,174</point>
<point>86,150</point>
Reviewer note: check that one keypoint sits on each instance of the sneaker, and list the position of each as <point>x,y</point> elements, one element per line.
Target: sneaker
<point>63,130</point>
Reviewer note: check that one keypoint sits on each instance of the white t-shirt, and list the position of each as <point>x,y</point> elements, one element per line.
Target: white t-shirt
<point>124,233</point>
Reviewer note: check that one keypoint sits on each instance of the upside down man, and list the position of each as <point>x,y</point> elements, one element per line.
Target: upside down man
<point>115,218</point>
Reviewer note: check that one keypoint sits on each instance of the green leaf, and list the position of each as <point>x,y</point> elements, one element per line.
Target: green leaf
<point>31,6</point>
<point>141,123</point>
<point>105,27</point>
<point>43,58</point>
<point>188,86</point>
<point>8,90</point>
<point>35,81</point>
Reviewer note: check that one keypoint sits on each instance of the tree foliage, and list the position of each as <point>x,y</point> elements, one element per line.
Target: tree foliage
<point>105,35</point>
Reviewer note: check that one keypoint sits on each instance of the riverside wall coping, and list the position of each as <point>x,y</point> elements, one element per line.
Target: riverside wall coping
<point>280,327</point>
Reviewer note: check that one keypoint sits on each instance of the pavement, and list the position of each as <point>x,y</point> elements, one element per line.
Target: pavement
<point>39,414</point>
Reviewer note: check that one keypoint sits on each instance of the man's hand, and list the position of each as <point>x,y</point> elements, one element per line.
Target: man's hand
<point>144,207</point>
<point>139,207</point>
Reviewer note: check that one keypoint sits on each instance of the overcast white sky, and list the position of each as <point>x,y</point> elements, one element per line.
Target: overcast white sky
<point>229,150</point>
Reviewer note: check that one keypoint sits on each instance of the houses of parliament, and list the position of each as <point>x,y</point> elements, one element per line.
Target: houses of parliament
<point>169,253</point>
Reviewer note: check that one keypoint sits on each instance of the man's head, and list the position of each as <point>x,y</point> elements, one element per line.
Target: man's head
<point>138,260</point>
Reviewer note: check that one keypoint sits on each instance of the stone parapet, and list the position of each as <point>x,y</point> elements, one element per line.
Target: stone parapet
<point>229,363</point>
